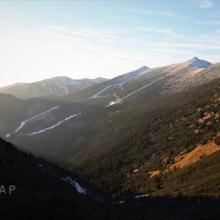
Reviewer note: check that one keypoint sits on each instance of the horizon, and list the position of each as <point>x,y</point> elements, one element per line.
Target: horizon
<point>103,39</point>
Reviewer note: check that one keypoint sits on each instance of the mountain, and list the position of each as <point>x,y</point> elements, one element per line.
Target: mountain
<point>57,86</point>
<point>151,82</point>
<point>147,138</point>
<point>107,88</point>
<point>138,140</point>
<point>83,132</point>
<point>198,63</point>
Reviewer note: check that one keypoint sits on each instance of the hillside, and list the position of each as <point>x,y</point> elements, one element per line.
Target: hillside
<point>57,86</point>
<point>35,124</point>
<point>14,110</point>
<point>42,190</point>
<point>160,130</point>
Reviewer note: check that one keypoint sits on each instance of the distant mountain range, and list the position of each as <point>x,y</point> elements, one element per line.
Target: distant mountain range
<point>154,81</point>
<point>57,86</point>
<point>169,78</point>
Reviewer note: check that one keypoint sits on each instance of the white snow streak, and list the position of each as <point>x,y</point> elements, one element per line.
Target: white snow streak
<point>97,95</point>
<point>53,126</point>
<point>118,84</point>
<point>23,123</point>
<point>8,135</point>
<point>141,196</point>
<point>77,186</point>
<point>120,100</point>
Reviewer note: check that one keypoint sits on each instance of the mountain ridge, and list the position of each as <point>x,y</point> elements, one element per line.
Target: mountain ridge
<point>56,86</point>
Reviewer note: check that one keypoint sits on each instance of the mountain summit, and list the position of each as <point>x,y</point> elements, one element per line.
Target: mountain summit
<point>198,63</point>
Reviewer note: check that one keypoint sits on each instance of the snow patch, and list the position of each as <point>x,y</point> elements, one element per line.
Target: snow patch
<point>40,165</point>
<point>114,103</point>
<point>141,196</point>
<point>22,124</point>
<point>121,202</point>
<point>75,184</point>
<point>8,135</point>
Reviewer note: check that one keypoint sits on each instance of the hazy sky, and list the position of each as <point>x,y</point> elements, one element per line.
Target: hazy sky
<point>42,39</point>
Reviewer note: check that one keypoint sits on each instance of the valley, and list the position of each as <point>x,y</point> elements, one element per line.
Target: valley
<point>83,133</point>
<point>110,110</point>
<point>145,136</point>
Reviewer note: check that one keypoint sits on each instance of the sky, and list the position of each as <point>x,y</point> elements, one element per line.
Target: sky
<point>88,39</point>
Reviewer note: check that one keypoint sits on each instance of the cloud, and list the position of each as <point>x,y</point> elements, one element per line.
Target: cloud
<point>205,4</point>
<point>100,34</point>
<point>165,31</point>
<point>209,22</point>
<point>167,13</point>
<point>171,14</point>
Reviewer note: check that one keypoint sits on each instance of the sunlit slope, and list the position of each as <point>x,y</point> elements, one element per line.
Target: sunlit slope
<point>134,141</point>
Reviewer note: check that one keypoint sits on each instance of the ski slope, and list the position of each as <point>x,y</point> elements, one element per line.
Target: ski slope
<point>53,126</point>
<point>23,123</point>
<point>120,100</point>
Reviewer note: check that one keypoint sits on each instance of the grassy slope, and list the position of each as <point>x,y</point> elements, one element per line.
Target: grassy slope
<point>202,178</point>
